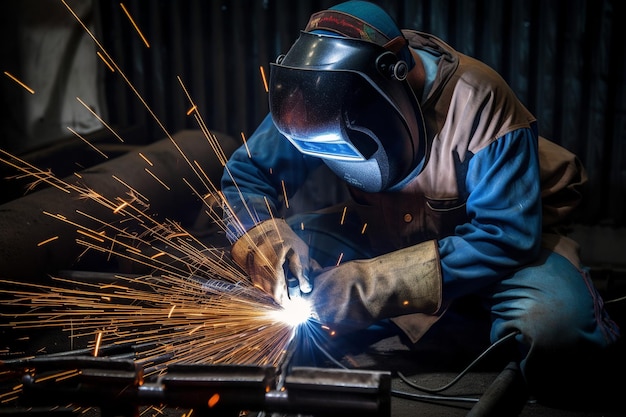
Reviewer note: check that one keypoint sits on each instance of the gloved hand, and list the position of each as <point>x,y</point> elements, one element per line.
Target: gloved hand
<point>358,293</point>
<point>266,249</point>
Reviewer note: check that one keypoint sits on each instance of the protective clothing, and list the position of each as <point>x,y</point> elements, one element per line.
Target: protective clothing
<point>358,293</point>
<point>492,194</point>
<point>347,102</point>
<point>270,251</point>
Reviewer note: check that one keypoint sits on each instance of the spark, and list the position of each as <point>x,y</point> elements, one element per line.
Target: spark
<point>27,88</point>
<point>340,258</point>
<point>120,207</point>
<point>195,307</point>
<point>31,170</point>
<point>364,228</point>
<point>213,142</point>
<point>264,79</point>
<point>87,142</point>
<point>143,38</point>
<point>145,158</point>
<point>58,375</point>
<point>343,215</point>
<point>132,191</point>
<point>98,341</point>
<point>157,178</point>
<point>105,124</point>
<point>47,241</point>
<point>90,235</point>
<point>213,400</point>
<point>282,184</point>
<point>245,143</point>
<point>105,61</point>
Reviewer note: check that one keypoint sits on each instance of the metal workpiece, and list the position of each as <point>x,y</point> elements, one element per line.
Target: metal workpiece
<point>320,391</point>
<point>85,380</point>
<point>120,388</point>
<point>221,388</point>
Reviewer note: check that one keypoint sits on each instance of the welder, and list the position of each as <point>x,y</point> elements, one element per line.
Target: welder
<point>453,193</point>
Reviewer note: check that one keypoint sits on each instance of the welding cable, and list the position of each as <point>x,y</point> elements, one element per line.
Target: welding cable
<point>493,346</point>
<point>429,397</point>
<point>430,391</point>
<point>396,393</point>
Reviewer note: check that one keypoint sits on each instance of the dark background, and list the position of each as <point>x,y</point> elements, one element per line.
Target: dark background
<point>564,59</point>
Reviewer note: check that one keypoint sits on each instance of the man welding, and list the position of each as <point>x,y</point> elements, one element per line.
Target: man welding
<point>453,193</point>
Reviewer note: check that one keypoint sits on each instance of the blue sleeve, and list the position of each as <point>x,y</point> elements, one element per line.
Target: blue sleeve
<point>256,175</point>
<point>504,209</point>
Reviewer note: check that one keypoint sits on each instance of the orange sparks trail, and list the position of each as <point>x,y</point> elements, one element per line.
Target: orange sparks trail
<point>245,142</point>
<point>264,79</point>
<point>213,400</point>
<point>105,61</point>
<point>143,38</point>
<point>282,184</point>
<point>47,241</point>
<point>87,142</point>
<point>195,306</point>
<point>98,341</point>
<point>27,88</point>
<point>157,178</point>
<point>146,159</point>
<point>100,119</point>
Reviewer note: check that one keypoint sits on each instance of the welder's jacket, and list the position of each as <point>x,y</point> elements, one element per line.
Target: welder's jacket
<point>492,192</point>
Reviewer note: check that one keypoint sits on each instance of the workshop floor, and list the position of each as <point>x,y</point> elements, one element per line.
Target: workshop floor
<point>441,356</point>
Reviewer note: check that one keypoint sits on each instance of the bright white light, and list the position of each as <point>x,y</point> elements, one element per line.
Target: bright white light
<point>295,311</point>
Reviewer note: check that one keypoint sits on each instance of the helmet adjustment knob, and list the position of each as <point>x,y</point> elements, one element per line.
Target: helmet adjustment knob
<point>391,67</point>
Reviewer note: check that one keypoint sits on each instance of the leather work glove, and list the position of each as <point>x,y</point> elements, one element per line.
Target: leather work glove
<point>268,251</point>
<point>358,293</point>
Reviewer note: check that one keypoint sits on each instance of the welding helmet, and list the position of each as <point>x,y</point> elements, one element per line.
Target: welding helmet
<point>346,100</point>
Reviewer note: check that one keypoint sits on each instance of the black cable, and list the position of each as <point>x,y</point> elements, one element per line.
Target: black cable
<point>397,393</point>
<point>425,397</point>
<point>429,397</point>
<point>463,373</point>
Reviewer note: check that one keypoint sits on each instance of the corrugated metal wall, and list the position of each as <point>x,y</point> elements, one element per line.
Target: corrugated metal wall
<point>565,59</point>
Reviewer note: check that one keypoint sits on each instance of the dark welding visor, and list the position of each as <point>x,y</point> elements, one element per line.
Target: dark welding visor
<point>313,110</point>
<point>340,100</point>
